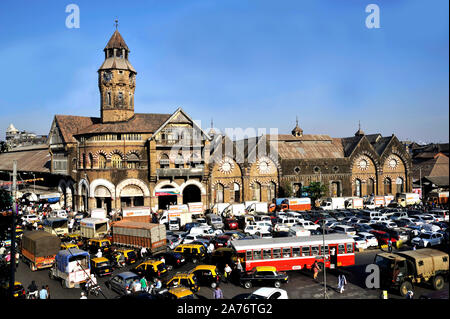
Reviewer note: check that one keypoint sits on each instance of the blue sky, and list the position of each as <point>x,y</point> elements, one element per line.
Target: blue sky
<point>244,63</point>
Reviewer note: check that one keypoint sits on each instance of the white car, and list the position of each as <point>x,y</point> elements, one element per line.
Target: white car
<point>428,239</point>
<point>389,224</point>
<point>360,243</point>
<point>344,229</point>
<point>413,220</point>
<point>201,221</point>
<point>376,220</point>
<point>190,238</point>
<point>268,293</point>
<point>369,238</point>
<point>252,229</point>
<point>264,234</point>
<point>31,218</point>
<point>264,226</point>
<point>307,224</point>
<point>430,228</point>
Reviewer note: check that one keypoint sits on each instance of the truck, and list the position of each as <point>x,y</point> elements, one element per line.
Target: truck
<point>72,267</point>
<point>94,227</point>
<point>376,201</point>
<point>407,199</point>
<point>439,197</point>
<point>137,214</point>
<point>401,270</point>
<point>39,248</point>
<point>98,213</point>
<point>354,203</point>
<point>176,217</point>
<point>57,226</point>
<point>233,210</point>
<point>333,203</point>
<point>298,204</point>
<point>256,207</point>
<point>388,199</point>
<point>137,235</point>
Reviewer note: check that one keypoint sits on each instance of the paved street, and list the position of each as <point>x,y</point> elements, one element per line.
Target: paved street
<point>301,285</point>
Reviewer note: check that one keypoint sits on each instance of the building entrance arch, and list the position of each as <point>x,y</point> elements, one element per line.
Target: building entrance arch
<point>191,194</point>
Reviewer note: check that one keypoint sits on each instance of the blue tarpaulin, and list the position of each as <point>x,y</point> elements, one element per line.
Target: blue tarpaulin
<point>64,256</point>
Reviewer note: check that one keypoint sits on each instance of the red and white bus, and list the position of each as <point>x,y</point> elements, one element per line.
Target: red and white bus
<point>294,253</point>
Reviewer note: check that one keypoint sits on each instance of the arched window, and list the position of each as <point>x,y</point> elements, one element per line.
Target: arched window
<point>399,183</point>
<point>116,161</point>
<point>120,98</point>
<point>84,161</point>
<point>271,191</point>
<point>164,161</point>
<point>219,193</point>
<point>237,192</point>
<point>108,98</point>
<point>91,161</point>
<point>387,186</point>
<point>101,161</point>
<point>257,191</point>
<point>370,186</point>
<point>358,187</point>
<point>179,161</point>
<point>133,161</point>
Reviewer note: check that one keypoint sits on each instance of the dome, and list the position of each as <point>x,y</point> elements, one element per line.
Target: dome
<point>11,129</point>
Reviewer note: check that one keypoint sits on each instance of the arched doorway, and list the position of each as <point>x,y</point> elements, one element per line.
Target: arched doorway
<point>84,198</point>
<point>131,196</point>
<point>191,194</point>
<point>103,198</point>
<point>165,200</point>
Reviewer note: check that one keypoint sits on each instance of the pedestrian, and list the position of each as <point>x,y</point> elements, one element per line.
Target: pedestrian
<point>227,270</point>
<point>83,295</point>
<point>136,286</point>
<point>43,294</point>
<point>2,250</point>
<point>157,286</point>
<point>218,294</point>
<point>163,260</point>
<point>239,266</point>
<point>71,225</point>
<point>48,291</point>
<point>342,281</point>
<point>143,252</point>
<point>99,254</point>
<point>33,290</point>
<point>409,294</point>
<point>315,268</point>
<point>144,284</point>
<point>210,248</point>
<point>414,247</point>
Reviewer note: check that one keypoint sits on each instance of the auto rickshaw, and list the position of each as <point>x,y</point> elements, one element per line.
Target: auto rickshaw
<point>101,266</point>
<point>93,245</point>
<point>129,255</point>
<point>18,290</point>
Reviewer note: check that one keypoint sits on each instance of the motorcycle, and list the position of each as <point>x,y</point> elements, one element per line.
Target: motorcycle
<point>32,294</point>
<point>93,290</point>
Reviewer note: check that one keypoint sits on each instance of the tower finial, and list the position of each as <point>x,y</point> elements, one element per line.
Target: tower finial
<point>296,120</point>
<point>116,23</point>
<point>212,123</point>
<point>359,125</point>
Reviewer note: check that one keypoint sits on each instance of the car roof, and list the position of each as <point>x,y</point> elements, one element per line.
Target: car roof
<point>127,274</point>
<point>208,267</point>
<point>99,260</point>
<point>265,268</point>
<point>180,292</point>
<point>266,291</point>
<point>181,275</point>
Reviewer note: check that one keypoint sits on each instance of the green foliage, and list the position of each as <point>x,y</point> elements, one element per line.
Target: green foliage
<point>316,190</point>
<point>286,190</point>
<point>3,147</point>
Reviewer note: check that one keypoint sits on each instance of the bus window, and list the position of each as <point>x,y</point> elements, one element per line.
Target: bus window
<point>248,255</point>
<point>256,254</point>
<point>341,249</point>
<point>267,253</point>
<point>349,248</point>
<point>295,251</point>
<point>276,253</point>
<point>325,250</point>
<point>315,250</point>
<point>305,251</point>
<point>286,252</point>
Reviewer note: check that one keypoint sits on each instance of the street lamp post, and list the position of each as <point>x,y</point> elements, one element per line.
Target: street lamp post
<point>325,295</point>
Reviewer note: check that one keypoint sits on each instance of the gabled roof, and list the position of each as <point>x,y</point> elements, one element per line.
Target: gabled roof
<point>70,125</point>
<point>116,42</point>
<point>36,159</point>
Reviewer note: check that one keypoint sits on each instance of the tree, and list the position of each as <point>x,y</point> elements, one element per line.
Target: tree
<point>316,190</point>
<point>3,147</point>
<point>285,189</point>
<point>5,200</point>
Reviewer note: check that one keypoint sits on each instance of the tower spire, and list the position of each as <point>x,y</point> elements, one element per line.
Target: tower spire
<point>116,23</point>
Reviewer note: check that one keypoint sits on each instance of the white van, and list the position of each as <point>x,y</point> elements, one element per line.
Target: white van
<point>344,229</point>
<point>284,223</point>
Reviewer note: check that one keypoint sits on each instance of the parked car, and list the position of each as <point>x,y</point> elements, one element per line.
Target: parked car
<point>423,218</point>
<point>428,239</point>
<point>268,293</point>
<point>264,226</point>
<point>376,220</point>
<point>363,228</point>
<point>389,224</point>
<point>344,229</point>
<point>369,238</point>
<point>188,226</point>
<point>309,225</point>
<point>120,283</point>
<point>174,240</point>
<point>252,229</point>
<point>360,242</point>
<point>172,259</point>
<point>263,275</point>
<point>231,223</point>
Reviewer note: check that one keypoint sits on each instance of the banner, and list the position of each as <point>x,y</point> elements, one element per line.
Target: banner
<point>167,192</point>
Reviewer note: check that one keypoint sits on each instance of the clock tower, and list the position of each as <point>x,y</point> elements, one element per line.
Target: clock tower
<point>116,81</point>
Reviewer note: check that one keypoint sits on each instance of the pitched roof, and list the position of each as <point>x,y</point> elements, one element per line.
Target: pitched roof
<point>440,181</point>
<point>70,125</point>
<point>116,42</point>
<point>139,123</point>
<point>437,166</point>
<point>309,147</point>
<point>36,159</point>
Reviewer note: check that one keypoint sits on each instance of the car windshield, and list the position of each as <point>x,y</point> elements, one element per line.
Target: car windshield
<point>427,217</point>
<point>425,236</point>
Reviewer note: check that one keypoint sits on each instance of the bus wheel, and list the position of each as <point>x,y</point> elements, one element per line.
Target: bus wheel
<point>405,287</point>
<point>277,284</point>
<point>248,284</point>
<point>438,283</point>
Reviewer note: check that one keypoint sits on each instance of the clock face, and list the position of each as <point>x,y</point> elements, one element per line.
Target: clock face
<point>392,163</point>
<point>107,76</point>
<point>363,164</point>
<point>226,165</point>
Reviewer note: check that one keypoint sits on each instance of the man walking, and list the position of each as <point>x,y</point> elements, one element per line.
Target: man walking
<point>218,294</point>
<point>342,281</point>
<point>315,268</point>
<point>43,294</point>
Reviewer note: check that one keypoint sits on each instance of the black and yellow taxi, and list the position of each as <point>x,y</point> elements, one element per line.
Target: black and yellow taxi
<point>101,266</point>
<point>18,290</point>
<point>185,280</point>
<point>192,252</point>
<point>73,238</point>
<point>263,276</point>
<point>151,269</point>
<point>94,244</point>
<point>68,245</point>
<point>180,293</point>
<point>207,275</point>
<point>129,255</point>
